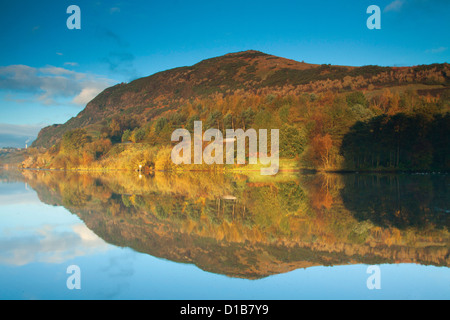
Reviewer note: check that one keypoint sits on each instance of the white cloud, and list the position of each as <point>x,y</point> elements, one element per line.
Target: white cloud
<point>86,95</point>
<point>51,85</point>
<point>51,70</point>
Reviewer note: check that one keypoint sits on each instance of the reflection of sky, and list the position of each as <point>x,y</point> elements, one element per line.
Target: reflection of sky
<point>38,242</point>
<point>31,231</point>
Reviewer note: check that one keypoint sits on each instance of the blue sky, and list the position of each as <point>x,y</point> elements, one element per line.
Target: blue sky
<point>48,73</point>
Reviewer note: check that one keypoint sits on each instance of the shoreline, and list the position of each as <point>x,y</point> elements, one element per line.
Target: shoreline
<point>242,171</point>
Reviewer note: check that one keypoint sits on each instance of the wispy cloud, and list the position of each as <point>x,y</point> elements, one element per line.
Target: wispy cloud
<point>49,85</point>
<point>421,6</point>
<point>71,64</point>
<point>114,10</point>
<point>17,135</point>
<point>120,60</point>
<point>394,6</point>
<point>110,35</point>
<point>20,129</point>
<point>437,50</point>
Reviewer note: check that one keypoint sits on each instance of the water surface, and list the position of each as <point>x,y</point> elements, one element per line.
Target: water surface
<point>215,236</point>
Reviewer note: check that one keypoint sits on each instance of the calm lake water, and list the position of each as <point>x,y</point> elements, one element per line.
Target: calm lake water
<point>215,236</point>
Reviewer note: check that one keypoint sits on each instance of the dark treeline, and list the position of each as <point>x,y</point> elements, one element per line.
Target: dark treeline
<point>402,142</point>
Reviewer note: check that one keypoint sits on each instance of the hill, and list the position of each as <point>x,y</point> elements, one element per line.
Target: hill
<point>314,106</point>
<point>150,96</point>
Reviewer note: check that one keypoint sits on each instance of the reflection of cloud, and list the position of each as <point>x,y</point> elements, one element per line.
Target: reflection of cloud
<point>21,198</point>
<point>119,270</point>
<point>85,233</point>
<point>48,84</point>
<point>119,266</point>
<point>49,245</point>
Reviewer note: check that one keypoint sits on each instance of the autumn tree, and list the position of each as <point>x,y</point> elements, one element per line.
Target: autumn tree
<point>321,146</point>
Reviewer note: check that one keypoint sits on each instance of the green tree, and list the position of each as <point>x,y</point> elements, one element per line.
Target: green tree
<point>247,117</point>
<point>139,135</point>
<point>213,120</point>
<point>292,142</point>
<point>356,97</point>
<point>284,113</point>
<point>228,121</point>
<point>126,135</point>
<point>190,122</point>
<point>160,124</point>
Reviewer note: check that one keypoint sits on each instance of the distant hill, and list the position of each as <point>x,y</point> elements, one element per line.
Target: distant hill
<point>248,71</point>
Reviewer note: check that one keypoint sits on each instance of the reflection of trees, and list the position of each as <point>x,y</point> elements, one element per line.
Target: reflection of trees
<point>291,195</point>
<point>248,226</point>
<point>74,197</point>
<point>399,201</point>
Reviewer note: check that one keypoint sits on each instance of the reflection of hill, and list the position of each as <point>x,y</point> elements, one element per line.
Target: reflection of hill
<point>240,226</point>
